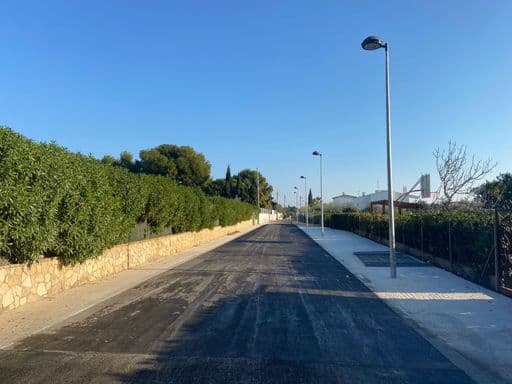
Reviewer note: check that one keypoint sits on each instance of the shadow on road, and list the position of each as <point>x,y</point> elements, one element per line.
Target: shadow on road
<point>272,326</point>
<point>271,307</point>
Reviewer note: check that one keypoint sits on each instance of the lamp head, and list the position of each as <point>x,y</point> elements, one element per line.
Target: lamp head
<point>303,177</point>
<point>372,43</point>
<point>316,153</point>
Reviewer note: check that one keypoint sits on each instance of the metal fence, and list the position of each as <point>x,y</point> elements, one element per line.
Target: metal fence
<point>142,231</point>
<point>481,252</point>
<point>504,252</point>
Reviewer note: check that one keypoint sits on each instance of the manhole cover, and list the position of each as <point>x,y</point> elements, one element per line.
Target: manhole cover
<point>381,259</point>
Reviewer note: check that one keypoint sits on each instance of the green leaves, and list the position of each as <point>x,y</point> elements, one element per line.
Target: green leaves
<point>57,203</point>
<point>471,232</point>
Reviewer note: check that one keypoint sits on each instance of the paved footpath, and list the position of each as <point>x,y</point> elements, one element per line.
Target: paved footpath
<point>269,307</point>
<point>468,323</point>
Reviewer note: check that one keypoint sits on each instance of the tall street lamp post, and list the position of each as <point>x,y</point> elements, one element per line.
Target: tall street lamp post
<point>372,43</point>
<point>306,200</point>
<point>258,192</point>
<point>296,191</point>
<point>316,153</point>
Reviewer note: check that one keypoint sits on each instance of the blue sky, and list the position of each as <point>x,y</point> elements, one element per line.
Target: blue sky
<point>263,83</point>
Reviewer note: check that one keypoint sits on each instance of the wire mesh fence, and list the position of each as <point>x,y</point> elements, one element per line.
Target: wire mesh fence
<point>475,244</point>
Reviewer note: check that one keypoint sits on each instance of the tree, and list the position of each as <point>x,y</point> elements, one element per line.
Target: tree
<point>155,163</point>
<point>109,160</point>
<point>497,193</point>
<point>247,191</point>
<point>126,160</point>
<point>238,186</point>
<point>458,172</point>
<point>215,187</point>
<point>184,164</point>
<point>310,198</point>
<point>227,185</point>
<point>315,203</point>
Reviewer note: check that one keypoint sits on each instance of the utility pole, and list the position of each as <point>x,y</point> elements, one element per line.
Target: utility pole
<point>277,202</point>
<point>306,200</point>
<point>284,204</point>
<point>296,191</point>
<point>258,191</point>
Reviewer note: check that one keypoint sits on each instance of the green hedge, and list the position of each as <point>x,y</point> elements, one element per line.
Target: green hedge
<point>57,203</point>
<point>472,232</point>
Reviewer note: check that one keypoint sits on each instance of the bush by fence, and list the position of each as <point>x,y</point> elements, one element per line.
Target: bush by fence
<point>58,203</point>
<point>469,232</point>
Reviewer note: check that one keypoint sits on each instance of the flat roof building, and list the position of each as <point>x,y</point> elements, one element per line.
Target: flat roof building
<point>363,202</point>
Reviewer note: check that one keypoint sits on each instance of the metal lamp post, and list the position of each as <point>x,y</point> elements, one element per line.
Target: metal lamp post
<point>296,191</point>
<point>306,200</point>
<point>258,192</point>
<point>372,43</point>
<point>316,153</point>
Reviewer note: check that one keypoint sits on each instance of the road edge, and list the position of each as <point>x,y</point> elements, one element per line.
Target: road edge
<point>50,311</point>
<point>475,370</point>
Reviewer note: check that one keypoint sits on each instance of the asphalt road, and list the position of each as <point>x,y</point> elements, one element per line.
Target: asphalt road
<point>268,307</point>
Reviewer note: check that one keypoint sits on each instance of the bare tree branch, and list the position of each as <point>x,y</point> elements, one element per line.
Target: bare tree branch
<point>457,172</point>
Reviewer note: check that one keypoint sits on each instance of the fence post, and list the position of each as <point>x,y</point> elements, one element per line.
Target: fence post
<point>496,250</point>
<point>450,255</point>
<point>421,232</point>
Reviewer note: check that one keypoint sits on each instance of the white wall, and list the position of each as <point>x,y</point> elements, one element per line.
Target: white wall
<point>363,202</point>
<point>270,216</point>
<point>342,201</point>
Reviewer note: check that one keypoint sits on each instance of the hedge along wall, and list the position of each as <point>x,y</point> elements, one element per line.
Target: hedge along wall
<point>428,231</point>
<point>57,203</point>
<point>28,282</point>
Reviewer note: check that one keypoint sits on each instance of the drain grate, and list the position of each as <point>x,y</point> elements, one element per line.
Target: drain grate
<point>381,259</point>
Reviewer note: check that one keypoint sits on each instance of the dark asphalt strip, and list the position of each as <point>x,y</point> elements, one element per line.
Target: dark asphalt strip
<point>268,307</point>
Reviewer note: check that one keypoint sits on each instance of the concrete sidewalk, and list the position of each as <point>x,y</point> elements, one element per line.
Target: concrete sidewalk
<point>469,324</point>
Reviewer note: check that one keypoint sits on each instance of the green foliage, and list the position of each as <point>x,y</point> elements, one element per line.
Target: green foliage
<point>109,160</point>
<point>472,232</point>
<point>126,161</point>
<point>230,212</point>
<point>155,163</point>
<point>497,193</point>
<point>215,187</point>
<point>242,187</point>
<point>228,182</point>
<point>57,203</point>
<point>247,191</point>
<point>186,166</point>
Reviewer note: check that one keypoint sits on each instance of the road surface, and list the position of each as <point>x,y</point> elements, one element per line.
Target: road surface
<point>268,307</point>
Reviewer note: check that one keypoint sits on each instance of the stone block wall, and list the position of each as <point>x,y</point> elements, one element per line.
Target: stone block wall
<point>25,283</point>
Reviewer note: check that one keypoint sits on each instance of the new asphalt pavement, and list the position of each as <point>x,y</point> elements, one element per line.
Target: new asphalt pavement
<point>268,307</point>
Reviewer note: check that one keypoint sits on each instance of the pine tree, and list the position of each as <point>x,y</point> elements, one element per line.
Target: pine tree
<point>310,198</point>
<point>227,187</point>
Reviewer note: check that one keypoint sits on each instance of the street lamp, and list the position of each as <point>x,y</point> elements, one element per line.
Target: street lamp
<point>306,200</point>
<point>296,191</point>
<point>258,192</point>
<point>372,43</point>
<point>316,153</point>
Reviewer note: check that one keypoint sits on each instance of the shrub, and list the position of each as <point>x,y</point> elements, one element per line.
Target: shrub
<point>471,232</point>
<point>58,203</point>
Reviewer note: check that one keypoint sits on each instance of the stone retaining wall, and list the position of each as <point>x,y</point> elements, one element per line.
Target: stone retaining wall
<point>25,283</point>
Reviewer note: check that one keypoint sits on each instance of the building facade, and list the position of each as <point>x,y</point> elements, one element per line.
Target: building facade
<point>363,202</point>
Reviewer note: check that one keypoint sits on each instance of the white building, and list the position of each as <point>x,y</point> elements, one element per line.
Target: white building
<point>343,200</point>
<point>363,202</point>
